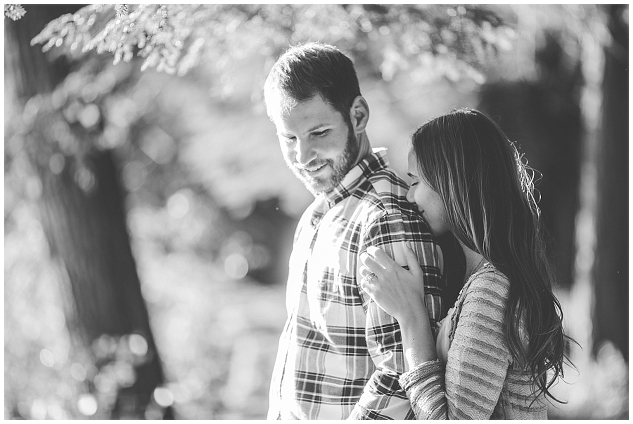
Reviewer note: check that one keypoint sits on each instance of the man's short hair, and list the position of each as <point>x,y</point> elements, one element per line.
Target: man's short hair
<point>310,69</point>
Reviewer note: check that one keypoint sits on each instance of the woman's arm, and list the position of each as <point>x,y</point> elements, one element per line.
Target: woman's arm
<point>417,339</point>
<point>478,359</point>
<point>400,293</point>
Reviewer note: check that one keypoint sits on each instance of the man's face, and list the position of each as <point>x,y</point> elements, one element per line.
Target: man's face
<point>317,143</point>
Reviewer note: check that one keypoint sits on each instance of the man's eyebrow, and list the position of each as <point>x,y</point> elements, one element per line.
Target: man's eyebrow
<point>314,128</point>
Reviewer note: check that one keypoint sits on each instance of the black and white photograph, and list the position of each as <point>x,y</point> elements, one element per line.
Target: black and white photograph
<point>316,211</point>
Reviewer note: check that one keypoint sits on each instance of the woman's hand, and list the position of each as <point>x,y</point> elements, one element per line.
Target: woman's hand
<point>443,340</point>
<point>398,291</point>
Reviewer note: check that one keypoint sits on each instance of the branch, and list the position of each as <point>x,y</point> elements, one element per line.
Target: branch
<point>173,37</point>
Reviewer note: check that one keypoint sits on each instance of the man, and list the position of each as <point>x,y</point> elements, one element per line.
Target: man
<point>339,354</point>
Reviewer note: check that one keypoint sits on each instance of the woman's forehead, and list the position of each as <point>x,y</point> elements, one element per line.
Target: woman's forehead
<point>412,162</point>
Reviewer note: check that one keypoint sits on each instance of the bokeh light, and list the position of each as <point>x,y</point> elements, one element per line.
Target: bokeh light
<point>236,266</point>
<point>78,372</point>
<point>178,204</point>
<point>138,345</point>
<point>134,175</point>
<point>163,396</point>
<point>56,163</point>
<point>87,405</point>
<point>47,358</point>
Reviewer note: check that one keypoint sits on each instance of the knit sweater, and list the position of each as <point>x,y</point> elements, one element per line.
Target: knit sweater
<point>480,379</point>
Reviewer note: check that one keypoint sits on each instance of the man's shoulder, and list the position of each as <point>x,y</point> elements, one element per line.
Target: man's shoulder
<point>387,192</point>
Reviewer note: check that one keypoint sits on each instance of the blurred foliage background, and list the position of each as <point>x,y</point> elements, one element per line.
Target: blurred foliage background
<point>149,214</point>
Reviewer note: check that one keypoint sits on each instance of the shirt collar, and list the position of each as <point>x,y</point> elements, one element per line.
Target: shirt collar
<point>372,163</point>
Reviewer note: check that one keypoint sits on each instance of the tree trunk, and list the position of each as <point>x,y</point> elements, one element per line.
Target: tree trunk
<point>83,216</point>
<point>544,118</point>
<point>611,267</point>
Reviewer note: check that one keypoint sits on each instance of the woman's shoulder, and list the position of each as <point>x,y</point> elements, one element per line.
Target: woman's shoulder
<point>489,280</point>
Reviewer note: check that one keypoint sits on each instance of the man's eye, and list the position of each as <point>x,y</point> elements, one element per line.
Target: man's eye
<point>321,133</point>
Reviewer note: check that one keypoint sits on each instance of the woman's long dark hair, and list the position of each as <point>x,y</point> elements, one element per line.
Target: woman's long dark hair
<point>488,193</point>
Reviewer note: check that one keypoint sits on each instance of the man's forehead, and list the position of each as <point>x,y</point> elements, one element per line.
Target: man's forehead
<point>284,103</point>
<point>308,110</point>
<point>284,100</point>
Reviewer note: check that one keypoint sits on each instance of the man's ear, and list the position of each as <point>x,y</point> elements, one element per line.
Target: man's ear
<point>359,114</point>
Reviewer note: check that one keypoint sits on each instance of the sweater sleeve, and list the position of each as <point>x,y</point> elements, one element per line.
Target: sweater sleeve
<point>424,386</point>
<point>478,360</point>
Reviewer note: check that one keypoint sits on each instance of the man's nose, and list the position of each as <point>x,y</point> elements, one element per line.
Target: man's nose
<point>304,153</point>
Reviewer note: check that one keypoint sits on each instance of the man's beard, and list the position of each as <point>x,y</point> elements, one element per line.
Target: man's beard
<point>341,165</point>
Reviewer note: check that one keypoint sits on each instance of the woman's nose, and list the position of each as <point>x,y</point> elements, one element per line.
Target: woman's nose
<point>410,195</point>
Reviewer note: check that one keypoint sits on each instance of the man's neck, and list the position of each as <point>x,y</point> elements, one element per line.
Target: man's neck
<point>364,147</point>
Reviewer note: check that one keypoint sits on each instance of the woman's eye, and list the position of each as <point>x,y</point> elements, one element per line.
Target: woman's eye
<point>321,133</point>
<point>414,183</point>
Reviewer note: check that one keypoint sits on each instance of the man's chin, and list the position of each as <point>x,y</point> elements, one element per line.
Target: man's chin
<point>322,184</point>
<point>317,187</point>
<point>314,185</point>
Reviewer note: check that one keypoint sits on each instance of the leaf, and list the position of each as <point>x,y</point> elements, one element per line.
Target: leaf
<point>14,11</point>
<point>168,35</point>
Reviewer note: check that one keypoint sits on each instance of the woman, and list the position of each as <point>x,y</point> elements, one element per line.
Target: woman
<point>502,345</point>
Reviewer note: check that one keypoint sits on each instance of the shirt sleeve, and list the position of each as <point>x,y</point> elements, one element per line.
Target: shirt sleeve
<point>478,361</point>
<point>383,396</point>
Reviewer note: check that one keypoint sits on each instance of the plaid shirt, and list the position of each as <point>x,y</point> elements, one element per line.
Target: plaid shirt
<point>340,355</point>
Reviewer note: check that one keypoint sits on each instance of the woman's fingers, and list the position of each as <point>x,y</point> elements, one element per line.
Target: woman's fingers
<point>371,263</point>
<point>412,261</point>
<point>384,261</point>
<point>365,272</point>
<point>381,257</point>
<point>387,283</point>
<point>367,280</point>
